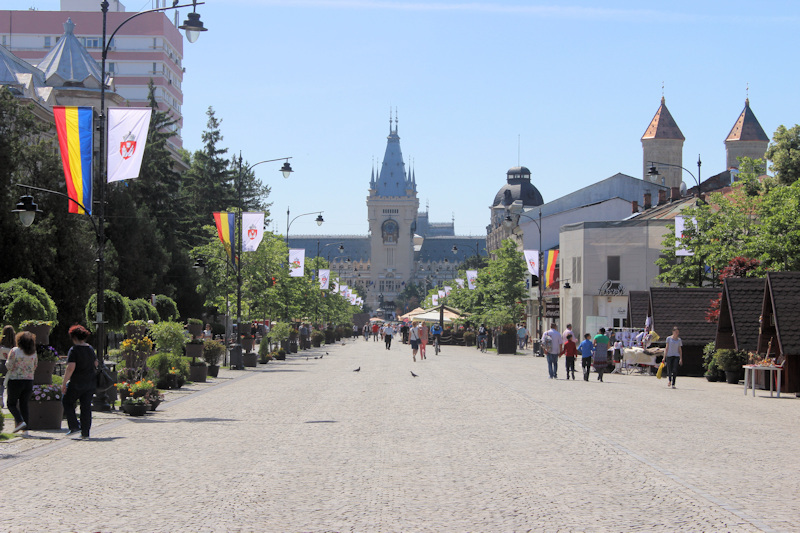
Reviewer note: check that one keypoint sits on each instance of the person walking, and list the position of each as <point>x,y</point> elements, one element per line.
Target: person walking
<point>423,339</point>
<point>375,329</point>
<point>568,331</point>
<point>587,350</point>
<point>388,332</point>
<point>601,343</point>
<point>570,351</point>
<point>79,381</point>
<point>522,336</point>
<point>483,336</point>
<point>21,364</point>
<point>673,355</point>
<point>7,342</point>
<point>551,345</point>
<point>413,339</point>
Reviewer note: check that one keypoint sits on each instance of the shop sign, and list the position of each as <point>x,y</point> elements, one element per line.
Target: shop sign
<point>551,309</point>
<point>612,288</point>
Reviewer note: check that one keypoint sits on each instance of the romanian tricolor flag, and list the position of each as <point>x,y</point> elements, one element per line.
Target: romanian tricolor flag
<point>226,224</point>
<point>75,139</point>
<point>550,268</point>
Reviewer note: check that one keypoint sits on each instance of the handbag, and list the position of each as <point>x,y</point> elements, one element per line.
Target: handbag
<point>104,378</point>
<point>660,372</point>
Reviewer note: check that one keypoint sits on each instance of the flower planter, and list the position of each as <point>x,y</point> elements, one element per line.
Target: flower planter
<point>136,359</point>
<point>42,333</point>
<point>293,346</point>
<point>139,409</point>
<point>198,373</point>
<point>154,404</point>
<point>195,330</point>
<point>135,332</point>
<point>247,344</point>
<point>45,415</point>
<point>43,375</point>
<point>506,344</point>
<point>174,381</point>
<point>213,370</point>
<point>732,377</point>
<point>250,359</point>
<point>194,351</point>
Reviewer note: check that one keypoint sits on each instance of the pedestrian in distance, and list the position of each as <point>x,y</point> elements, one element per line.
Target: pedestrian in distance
<point>388,332</point>
<point>80,381</point>
<point>601,343</point>
<point>413,339</point>
<point>586,349</point>
<point>673,355</point>
<point>7,342</point>
<point>423,339</point>
<point>567,331</point>
<point>551,345</point>
<point>21,364</point>
<point>375,330</point>
<point>522,336</point>
<point>570,351</point>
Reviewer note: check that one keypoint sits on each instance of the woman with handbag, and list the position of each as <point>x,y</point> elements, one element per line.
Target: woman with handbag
<point>6,343</point>
<point>21,365</point>
<point>80,381</point>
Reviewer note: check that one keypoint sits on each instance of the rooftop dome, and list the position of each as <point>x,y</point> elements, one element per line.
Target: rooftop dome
<point>518,188</point>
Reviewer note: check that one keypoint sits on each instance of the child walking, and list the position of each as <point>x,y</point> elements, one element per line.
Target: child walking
<point>586,348</point>
<point>570,351</point>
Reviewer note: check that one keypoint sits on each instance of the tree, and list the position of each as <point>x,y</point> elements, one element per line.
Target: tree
<point>784,154</point>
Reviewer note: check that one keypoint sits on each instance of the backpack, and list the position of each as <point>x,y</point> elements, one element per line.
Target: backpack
<point>547,343</point>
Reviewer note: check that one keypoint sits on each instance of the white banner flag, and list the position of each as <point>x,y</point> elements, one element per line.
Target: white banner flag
<point>297,258</point>
<point>335,287</point>
<point>353,299</point>
<point>532,260</point>
<point>253,224</point>
<point>343,291</point>
<point>435,299</point>
<point>680,226</point>
<point>460,283</point>
<point>472,279</point>
<point>447,290</point>
<point>441,293</point>
<point>324,278</point>
<point>127,136</point>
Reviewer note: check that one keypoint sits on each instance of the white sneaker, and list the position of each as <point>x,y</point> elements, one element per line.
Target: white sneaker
<point>20,427</point>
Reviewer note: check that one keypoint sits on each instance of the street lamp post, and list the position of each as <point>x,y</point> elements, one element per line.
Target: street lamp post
<point>27,209</point>
<point>454,249</point>
<point>289,223</point>
<point>653,173</point>
<point>508,221</point>
<point>340,249</point>
<point>286,170</point>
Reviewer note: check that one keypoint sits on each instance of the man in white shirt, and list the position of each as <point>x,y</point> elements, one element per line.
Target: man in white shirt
<point>552,346</point>
<point>388,331</point>
<point>566,332</point>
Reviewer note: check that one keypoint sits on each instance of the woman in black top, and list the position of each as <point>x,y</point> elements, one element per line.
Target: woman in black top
<point>79,381</point>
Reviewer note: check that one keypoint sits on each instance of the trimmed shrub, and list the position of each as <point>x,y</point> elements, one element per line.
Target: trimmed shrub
<point>116,312</point>
<point>166,307</point>
<point>21,299</point>
<point>142,309</point>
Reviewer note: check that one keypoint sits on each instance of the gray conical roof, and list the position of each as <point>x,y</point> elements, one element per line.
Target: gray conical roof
<point>11,67</point>
<point>69,64</point>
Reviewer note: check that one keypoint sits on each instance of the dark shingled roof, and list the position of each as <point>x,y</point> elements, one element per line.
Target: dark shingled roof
<point>638,304</point>
<point>435,249</point>
<point>783,292</point>
<point>685,308</point>
<point>356,248</point>
<point>740,308</point>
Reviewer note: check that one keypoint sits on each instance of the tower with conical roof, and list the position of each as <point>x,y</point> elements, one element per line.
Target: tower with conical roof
<point>662,142</point>
<point>392,207</point>
<point>69,64</point>
<point>746,138</point>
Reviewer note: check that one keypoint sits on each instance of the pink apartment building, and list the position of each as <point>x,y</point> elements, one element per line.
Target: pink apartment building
<point>147,47</point>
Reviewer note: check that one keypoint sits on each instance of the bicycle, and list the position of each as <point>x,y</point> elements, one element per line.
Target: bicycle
<point>436,344</point>
<point>482,344</point>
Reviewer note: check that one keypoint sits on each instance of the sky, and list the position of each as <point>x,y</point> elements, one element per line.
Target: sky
<point>565,89</point>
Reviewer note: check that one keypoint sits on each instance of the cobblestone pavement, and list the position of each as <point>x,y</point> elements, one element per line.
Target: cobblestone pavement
<point>475,443</point>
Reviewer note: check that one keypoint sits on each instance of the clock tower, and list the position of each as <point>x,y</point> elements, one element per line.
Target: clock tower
<point>392,207</point>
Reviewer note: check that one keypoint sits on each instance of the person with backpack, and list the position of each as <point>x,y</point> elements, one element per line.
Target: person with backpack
<point>551,345</point>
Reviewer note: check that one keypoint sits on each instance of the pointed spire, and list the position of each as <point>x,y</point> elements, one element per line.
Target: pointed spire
<point>663,126</point>
<point>747,127</point>
<point>69,63</point>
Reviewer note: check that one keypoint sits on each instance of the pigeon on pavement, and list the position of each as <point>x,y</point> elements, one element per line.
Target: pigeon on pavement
<point>357,369</point>
<point>412,373</point>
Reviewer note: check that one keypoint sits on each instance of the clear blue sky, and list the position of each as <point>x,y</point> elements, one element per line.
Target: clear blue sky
<point>564,89</point>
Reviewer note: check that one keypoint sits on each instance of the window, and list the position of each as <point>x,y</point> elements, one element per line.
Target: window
<point>47,41</point>
<point>576,270</point>
<point>112,68</point>
<point>613,268</point>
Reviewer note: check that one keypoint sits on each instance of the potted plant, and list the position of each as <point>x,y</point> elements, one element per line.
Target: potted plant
<point>45,410</point>
<point>507,340</point>
<point>316,338</point>
<point>212,353</point>
<point>195,327</point>
<point>280,333</point>
<point>713,371</point>
<point>264,355</point>
<point>198,371</point>
<point>135,406</point>
<point>135,329</point>
<point>22,299</point>
<point>469,338</point>
<point>280,355</point>
<point>731,361</point>
<point>47,358</point>
<point>40,328</point>
<point>136,350</point>
<point>116,314</point>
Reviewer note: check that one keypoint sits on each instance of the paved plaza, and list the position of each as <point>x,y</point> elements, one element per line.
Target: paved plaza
<point>477,442</point>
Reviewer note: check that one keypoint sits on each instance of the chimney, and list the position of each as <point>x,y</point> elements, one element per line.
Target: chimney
<point>647,201</point>
<point>634,207</point>
<point>675,193</point>
<point>662,197</point>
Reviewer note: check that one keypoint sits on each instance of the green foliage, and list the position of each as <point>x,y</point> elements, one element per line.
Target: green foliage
<point>195,321</point>
<point>168,336</point>
<point>115,315</point>
<point>22,299</point>
<point>263,348</point>
<point>142,309</point>
<point>784,154</point>
<point>730,360</point>
<point>163,362</point>
<point>166,307</point>
<point>279,331</point>
<point>213,351</point>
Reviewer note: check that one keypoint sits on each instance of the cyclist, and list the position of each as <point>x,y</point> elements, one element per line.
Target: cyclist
<point>436,331</point>
<point>483,334</point>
